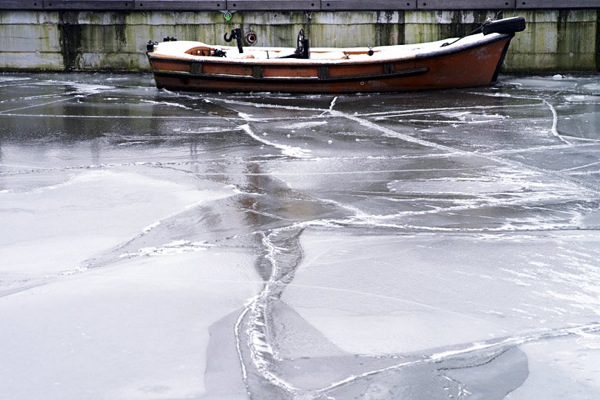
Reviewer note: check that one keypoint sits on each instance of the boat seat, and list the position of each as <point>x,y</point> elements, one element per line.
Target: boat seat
<point>200,51</point>
<point>328,55</point>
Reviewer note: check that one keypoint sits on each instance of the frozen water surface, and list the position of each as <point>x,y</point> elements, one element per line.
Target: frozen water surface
<point>159,245</point>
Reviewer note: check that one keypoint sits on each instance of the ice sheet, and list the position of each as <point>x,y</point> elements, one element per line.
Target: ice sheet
<point>159,245</point>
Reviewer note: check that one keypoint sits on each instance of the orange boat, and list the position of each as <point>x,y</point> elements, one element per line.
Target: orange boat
<point>472,60</point>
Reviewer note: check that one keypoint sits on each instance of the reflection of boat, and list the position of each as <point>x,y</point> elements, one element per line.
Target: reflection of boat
<point>473,60</point>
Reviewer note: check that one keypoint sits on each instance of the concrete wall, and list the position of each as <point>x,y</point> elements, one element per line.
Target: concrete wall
<point>70,40</point>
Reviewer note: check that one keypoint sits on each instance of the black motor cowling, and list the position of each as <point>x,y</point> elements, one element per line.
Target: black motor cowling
<point>506,25</point>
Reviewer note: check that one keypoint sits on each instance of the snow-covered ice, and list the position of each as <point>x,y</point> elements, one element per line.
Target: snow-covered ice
<point>159,245</point>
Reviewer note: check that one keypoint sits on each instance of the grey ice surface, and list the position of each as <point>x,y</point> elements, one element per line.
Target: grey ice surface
<point>159,245</point>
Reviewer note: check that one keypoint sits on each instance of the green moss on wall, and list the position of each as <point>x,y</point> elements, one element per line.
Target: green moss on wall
<point>566,40</point>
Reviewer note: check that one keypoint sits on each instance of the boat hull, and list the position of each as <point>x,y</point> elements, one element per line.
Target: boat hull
<point>453,66</point>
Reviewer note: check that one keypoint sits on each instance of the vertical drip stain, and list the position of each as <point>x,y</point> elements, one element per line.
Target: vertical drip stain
<point>70,40</point>
<point>597,52</point>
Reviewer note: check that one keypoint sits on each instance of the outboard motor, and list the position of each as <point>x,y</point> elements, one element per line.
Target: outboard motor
<point>506,25</point>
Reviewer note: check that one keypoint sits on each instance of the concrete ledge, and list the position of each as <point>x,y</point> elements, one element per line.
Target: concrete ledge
<point>465,5</point>
<point>556,4</point>
<point>297,5</point>
<point>103,5</point>
<point>21,5</point>
<point>280,5</point>
<point>358,5</point>
<point>180,5</point>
